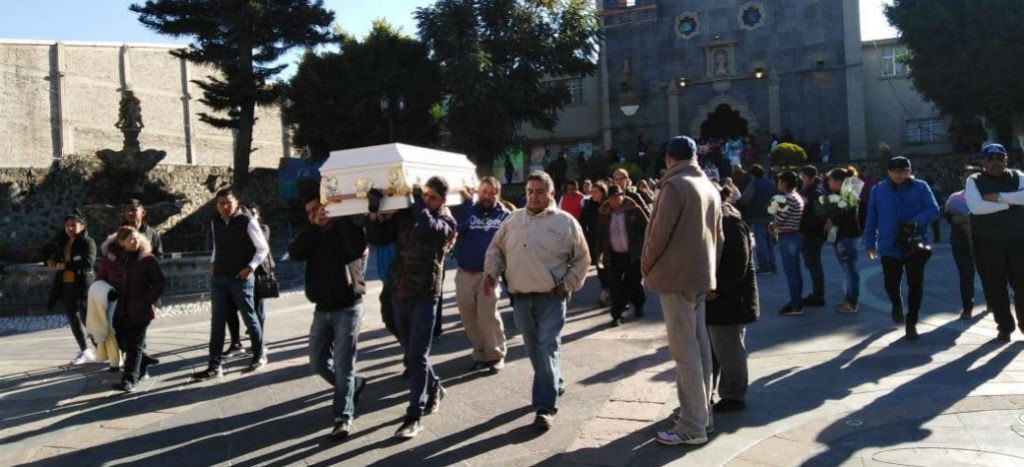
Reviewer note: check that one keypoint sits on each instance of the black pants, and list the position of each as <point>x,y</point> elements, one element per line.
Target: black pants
<point>131,338</point>
<point>74,310</point>
<point>440,305</point>
<point>811,250</point>
<point>1001,262</point>
<point>892,272</point>
<point>964,258</point>
<point>623,275</point>
<point>386,309</point>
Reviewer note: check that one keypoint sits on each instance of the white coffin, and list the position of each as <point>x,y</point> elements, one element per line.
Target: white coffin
<point>348,174</point>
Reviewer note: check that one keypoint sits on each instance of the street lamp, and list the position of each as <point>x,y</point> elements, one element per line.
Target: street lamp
<point>759,73</point>
<point>389,112</point>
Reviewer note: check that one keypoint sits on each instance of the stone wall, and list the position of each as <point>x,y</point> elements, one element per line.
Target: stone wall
<point>61,99</point>
<point>35,201</point>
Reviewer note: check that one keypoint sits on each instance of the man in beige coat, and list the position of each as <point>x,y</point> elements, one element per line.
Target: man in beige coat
<point>680,256</point>
<point>543,254</point>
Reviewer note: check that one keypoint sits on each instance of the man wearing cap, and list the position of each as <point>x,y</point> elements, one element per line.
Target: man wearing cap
<point>621,226</point>
<point>543,253</point>
<point>679,261</point>
<point>995,198</point>
<point>899,211</point>
<point>135,216</point>
<point>421,234</point>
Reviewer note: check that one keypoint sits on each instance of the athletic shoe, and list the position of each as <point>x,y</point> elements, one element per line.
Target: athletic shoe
<point>210,373</point>
<point>409,429</point>
<point>846,308</point>
<point>434,400</point>
<point>544,419</point>
<point>341,429</point>
<point>790,310</point>
<point>671,438</point>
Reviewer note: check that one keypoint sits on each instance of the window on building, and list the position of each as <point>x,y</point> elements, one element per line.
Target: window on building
<point>628,3</point>
<point>575,87</point>
<point>926,130</point>
<point>892,61</point>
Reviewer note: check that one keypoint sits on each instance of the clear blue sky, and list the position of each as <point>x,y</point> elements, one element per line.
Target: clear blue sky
<point>110,20</point>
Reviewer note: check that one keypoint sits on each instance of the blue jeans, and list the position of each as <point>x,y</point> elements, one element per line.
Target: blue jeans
<point>789,249</point>
<point>541,317</point>
<point>846,253</point>
<point>228,294</point>
<point>414,320</point>
<point>333,340</point>
<point>763,247</point>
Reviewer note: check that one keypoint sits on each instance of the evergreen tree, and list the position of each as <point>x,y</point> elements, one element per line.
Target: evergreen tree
<point>243,39</point>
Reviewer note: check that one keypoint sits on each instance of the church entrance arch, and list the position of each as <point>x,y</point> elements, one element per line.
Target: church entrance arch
<point>723,117</point>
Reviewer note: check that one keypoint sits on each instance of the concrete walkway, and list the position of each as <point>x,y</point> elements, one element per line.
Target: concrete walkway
<point>826,389</point>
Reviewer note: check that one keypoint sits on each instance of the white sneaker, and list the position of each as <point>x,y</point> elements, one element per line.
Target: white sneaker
<point>672,438</point>
<point>85,356</point>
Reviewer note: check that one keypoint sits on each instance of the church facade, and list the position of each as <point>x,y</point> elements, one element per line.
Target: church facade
<point>725,68</point>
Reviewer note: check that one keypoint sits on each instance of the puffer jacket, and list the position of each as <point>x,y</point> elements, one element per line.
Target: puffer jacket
<point>421,238</point>
<point>138,279</point>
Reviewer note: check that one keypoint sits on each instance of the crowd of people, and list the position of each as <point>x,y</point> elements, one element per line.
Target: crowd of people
<point>695,238</point>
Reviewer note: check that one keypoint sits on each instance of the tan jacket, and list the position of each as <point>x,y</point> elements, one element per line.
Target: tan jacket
<point>683,241</point>
<point>537,252</point>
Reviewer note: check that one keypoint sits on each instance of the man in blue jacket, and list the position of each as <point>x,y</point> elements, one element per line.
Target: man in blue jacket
<point>479,311</point>
<point>899,211</point>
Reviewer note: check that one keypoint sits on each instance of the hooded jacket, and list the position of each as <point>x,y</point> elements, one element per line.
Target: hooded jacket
<point>476,227</point>
<point>137,277</point>
<point>737,301</point>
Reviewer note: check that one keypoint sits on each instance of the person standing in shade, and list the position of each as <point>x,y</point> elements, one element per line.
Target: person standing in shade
<point>543,254</point>
<point>136,304</point>
<point>899,211</point>
<point>135,216</point>
<point>996,200</point>
<point>238,248</point>
<point>755,199</point>
<point>786,227</point>
<point>620,241</point>
<point>730,308</point>
<point>478,222</point>
<point>958,214</point>
<point>72,254</point>
<point>335,254</point>
<point>813,234</point>
<point>421,234</point>
<point>679,262</point>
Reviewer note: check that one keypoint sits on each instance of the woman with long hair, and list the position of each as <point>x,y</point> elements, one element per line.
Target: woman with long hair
<point>143,285</point>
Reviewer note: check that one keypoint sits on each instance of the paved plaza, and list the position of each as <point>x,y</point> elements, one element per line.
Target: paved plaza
<point>825,390</point>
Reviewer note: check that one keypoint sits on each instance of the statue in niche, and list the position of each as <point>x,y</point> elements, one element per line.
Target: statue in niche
<point>721,62</point>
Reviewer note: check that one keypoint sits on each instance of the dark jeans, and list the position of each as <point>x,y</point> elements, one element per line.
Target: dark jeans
<point>623,275</point>
<point>763,247</point>
<point>414,320</point>
<point>811,250</point>
<point>892,272</point>
<point>333,342</point>
<point>964,258</point>
<point>387,310</point>
<point>1001,263</point>
<point>440,305</point>
<point>74,310</point>
<point>232,295</point>
<point>131,339</point>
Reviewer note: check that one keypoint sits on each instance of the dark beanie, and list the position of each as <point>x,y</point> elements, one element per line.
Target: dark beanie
<point>681,147</point>
<point>438,185</point>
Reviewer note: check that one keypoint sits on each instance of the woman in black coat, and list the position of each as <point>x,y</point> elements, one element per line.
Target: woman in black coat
<point>143,286</point>
<point>730,309</point>
<point>588,221</point>
<point>72,253</point>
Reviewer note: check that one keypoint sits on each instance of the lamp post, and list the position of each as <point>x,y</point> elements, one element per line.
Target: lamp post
<point>389,108</point>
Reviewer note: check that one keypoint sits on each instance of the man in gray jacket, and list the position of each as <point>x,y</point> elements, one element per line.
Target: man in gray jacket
<point>544,255</point>
<point>679,262</point>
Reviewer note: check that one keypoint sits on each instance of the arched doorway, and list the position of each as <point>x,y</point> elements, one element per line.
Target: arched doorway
<point>724,122</point>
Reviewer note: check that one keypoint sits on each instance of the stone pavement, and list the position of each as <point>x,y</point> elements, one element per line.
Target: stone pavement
<point>826,389</point>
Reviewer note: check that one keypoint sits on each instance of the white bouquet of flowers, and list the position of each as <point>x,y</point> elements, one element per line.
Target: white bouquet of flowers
<point>778,204</point>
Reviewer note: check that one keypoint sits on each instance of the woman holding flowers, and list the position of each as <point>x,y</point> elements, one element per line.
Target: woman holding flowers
<point>840,210</point>
<point>786,209</point>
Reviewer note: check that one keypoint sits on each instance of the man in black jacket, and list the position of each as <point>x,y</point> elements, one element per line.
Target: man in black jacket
<point>812,227</point>
<point>335,254</point>
<point>730,308</point>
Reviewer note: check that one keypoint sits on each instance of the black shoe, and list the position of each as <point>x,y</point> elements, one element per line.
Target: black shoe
<point>341,429</point>
<point>912,332</point>
<point>897,314</point>
<point>811,300</point>
<point>544,419</point>
<point>966,315</point>
<point>113,369</point>
<point>616,322</point>
<point>405,373</point>
<point>125,386</point>
<point>790,310</point>
<point>257,363</point>
<point>210,373</point>
<point>360,385</point>
<point>561,390</point>
<point>434,400</point>
<point>729,405</point>
<point>235,349</point>
<point>409,429</point>
<point>477,366</point>
<point>150,361</point>
<point>1003,337</point>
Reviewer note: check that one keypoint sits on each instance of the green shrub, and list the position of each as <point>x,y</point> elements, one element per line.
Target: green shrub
<point>788,154</point>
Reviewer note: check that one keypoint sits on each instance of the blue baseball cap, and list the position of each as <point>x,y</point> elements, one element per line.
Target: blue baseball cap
<point>681,147</point>
<point>992,149</point>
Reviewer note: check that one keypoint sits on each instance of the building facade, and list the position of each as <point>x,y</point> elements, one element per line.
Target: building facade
<point>62,98</point>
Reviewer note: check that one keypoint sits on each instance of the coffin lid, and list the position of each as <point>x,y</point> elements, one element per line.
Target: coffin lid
<point>394,153</point>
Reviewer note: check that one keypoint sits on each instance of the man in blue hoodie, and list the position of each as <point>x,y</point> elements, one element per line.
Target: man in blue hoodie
<point>479,311</point>
<point>899,211</point>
